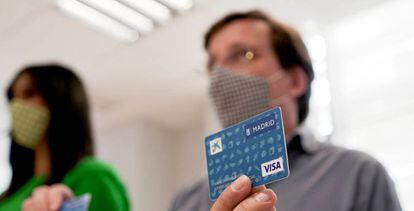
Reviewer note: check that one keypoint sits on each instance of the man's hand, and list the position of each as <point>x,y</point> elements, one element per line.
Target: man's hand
<point>47,198</point>
<point>239,196</point>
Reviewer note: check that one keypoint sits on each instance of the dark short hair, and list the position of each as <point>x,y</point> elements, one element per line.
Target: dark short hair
<point>69,134</point>
<point>287,44</point>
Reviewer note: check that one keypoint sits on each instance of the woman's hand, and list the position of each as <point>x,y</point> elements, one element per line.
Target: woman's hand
<point>47,198</point>
<point>239,196</point>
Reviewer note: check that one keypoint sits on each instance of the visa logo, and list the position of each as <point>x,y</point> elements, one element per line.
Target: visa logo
<point>272,167</point>
<point>260,126</point>
<point>215,146</point>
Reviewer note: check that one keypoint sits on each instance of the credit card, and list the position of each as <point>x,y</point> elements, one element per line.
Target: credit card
<point>255,147</point>
<point>80,203</point>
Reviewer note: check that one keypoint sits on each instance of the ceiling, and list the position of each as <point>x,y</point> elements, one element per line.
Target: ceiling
<point>160,77</point>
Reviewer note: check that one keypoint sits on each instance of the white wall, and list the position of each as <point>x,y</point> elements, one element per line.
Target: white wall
<point>144,155</point>
<point>5,174</point>
<point>371,68</point>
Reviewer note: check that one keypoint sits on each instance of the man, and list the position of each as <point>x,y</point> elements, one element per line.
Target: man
<point>257,63</point>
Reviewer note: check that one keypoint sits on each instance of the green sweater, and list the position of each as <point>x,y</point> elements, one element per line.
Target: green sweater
<point>89,176</point>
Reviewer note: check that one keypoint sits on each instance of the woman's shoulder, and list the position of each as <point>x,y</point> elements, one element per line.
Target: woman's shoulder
<point>101,181</point>
<point>91,168</point>
<point>93,164</point>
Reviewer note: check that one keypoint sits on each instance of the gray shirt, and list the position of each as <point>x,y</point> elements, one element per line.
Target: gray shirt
<point>322,177</point>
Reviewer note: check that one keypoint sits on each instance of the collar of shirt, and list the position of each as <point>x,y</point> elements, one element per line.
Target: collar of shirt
<point>303,140</point>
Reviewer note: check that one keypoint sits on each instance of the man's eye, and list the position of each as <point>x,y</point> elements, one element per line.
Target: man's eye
<point>249,55</point>
<point>238,55</point>
<point>246,55</point>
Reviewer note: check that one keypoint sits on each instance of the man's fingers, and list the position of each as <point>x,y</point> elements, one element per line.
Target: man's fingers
<point>233,194</point>
<point>57,194</point>
<point>263,201</point>
<point>258,189</point>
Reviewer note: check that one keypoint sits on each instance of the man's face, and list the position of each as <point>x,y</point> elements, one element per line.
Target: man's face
<point>245,46</point>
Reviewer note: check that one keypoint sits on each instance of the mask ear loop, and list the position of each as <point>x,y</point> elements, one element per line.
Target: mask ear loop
<point>275,78</point>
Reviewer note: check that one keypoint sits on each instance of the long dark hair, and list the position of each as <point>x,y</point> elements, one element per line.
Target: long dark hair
<point>69,134</point>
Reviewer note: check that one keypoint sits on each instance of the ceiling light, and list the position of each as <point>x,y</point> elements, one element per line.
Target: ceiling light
<point>123,14</point>
<point>95,18</point>
<point>151,8</point>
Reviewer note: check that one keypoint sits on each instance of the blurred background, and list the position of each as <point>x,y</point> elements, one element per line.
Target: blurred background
<point>147,82</point>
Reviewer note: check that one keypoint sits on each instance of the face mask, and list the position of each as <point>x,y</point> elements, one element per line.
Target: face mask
<point>29,123</point>
<point>237,97</point>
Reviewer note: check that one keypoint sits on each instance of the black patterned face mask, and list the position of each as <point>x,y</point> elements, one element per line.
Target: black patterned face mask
<point>237,96</point>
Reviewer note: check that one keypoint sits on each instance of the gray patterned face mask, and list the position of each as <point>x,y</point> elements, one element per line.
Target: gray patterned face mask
<point>237,96</point>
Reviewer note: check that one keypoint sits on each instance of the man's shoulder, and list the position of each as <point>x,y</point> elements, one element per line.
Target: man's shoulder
<point>329,151</point>
<point>346,156</point>
<point>374,186</point>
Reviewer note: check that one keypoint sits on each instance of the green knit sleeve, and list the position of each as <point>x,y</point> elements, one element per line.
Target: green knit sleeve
<point>101,181</point>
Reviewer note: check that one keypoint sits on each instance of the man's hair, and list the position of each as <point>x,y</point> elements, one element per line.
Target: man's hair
<point>287,45</point>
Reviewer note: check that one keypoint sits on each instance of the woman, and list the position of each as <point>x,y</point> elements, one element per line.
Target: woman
<point>52,146</point>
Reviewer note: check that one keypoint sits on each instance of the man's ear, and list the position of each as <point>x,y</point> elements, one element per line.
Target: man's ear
<point>299,81</point>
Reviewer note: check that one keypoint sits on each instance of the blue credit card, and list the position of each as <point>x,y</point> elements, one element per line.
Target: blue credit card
<point>80,203</point>
<point>255,147</point>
